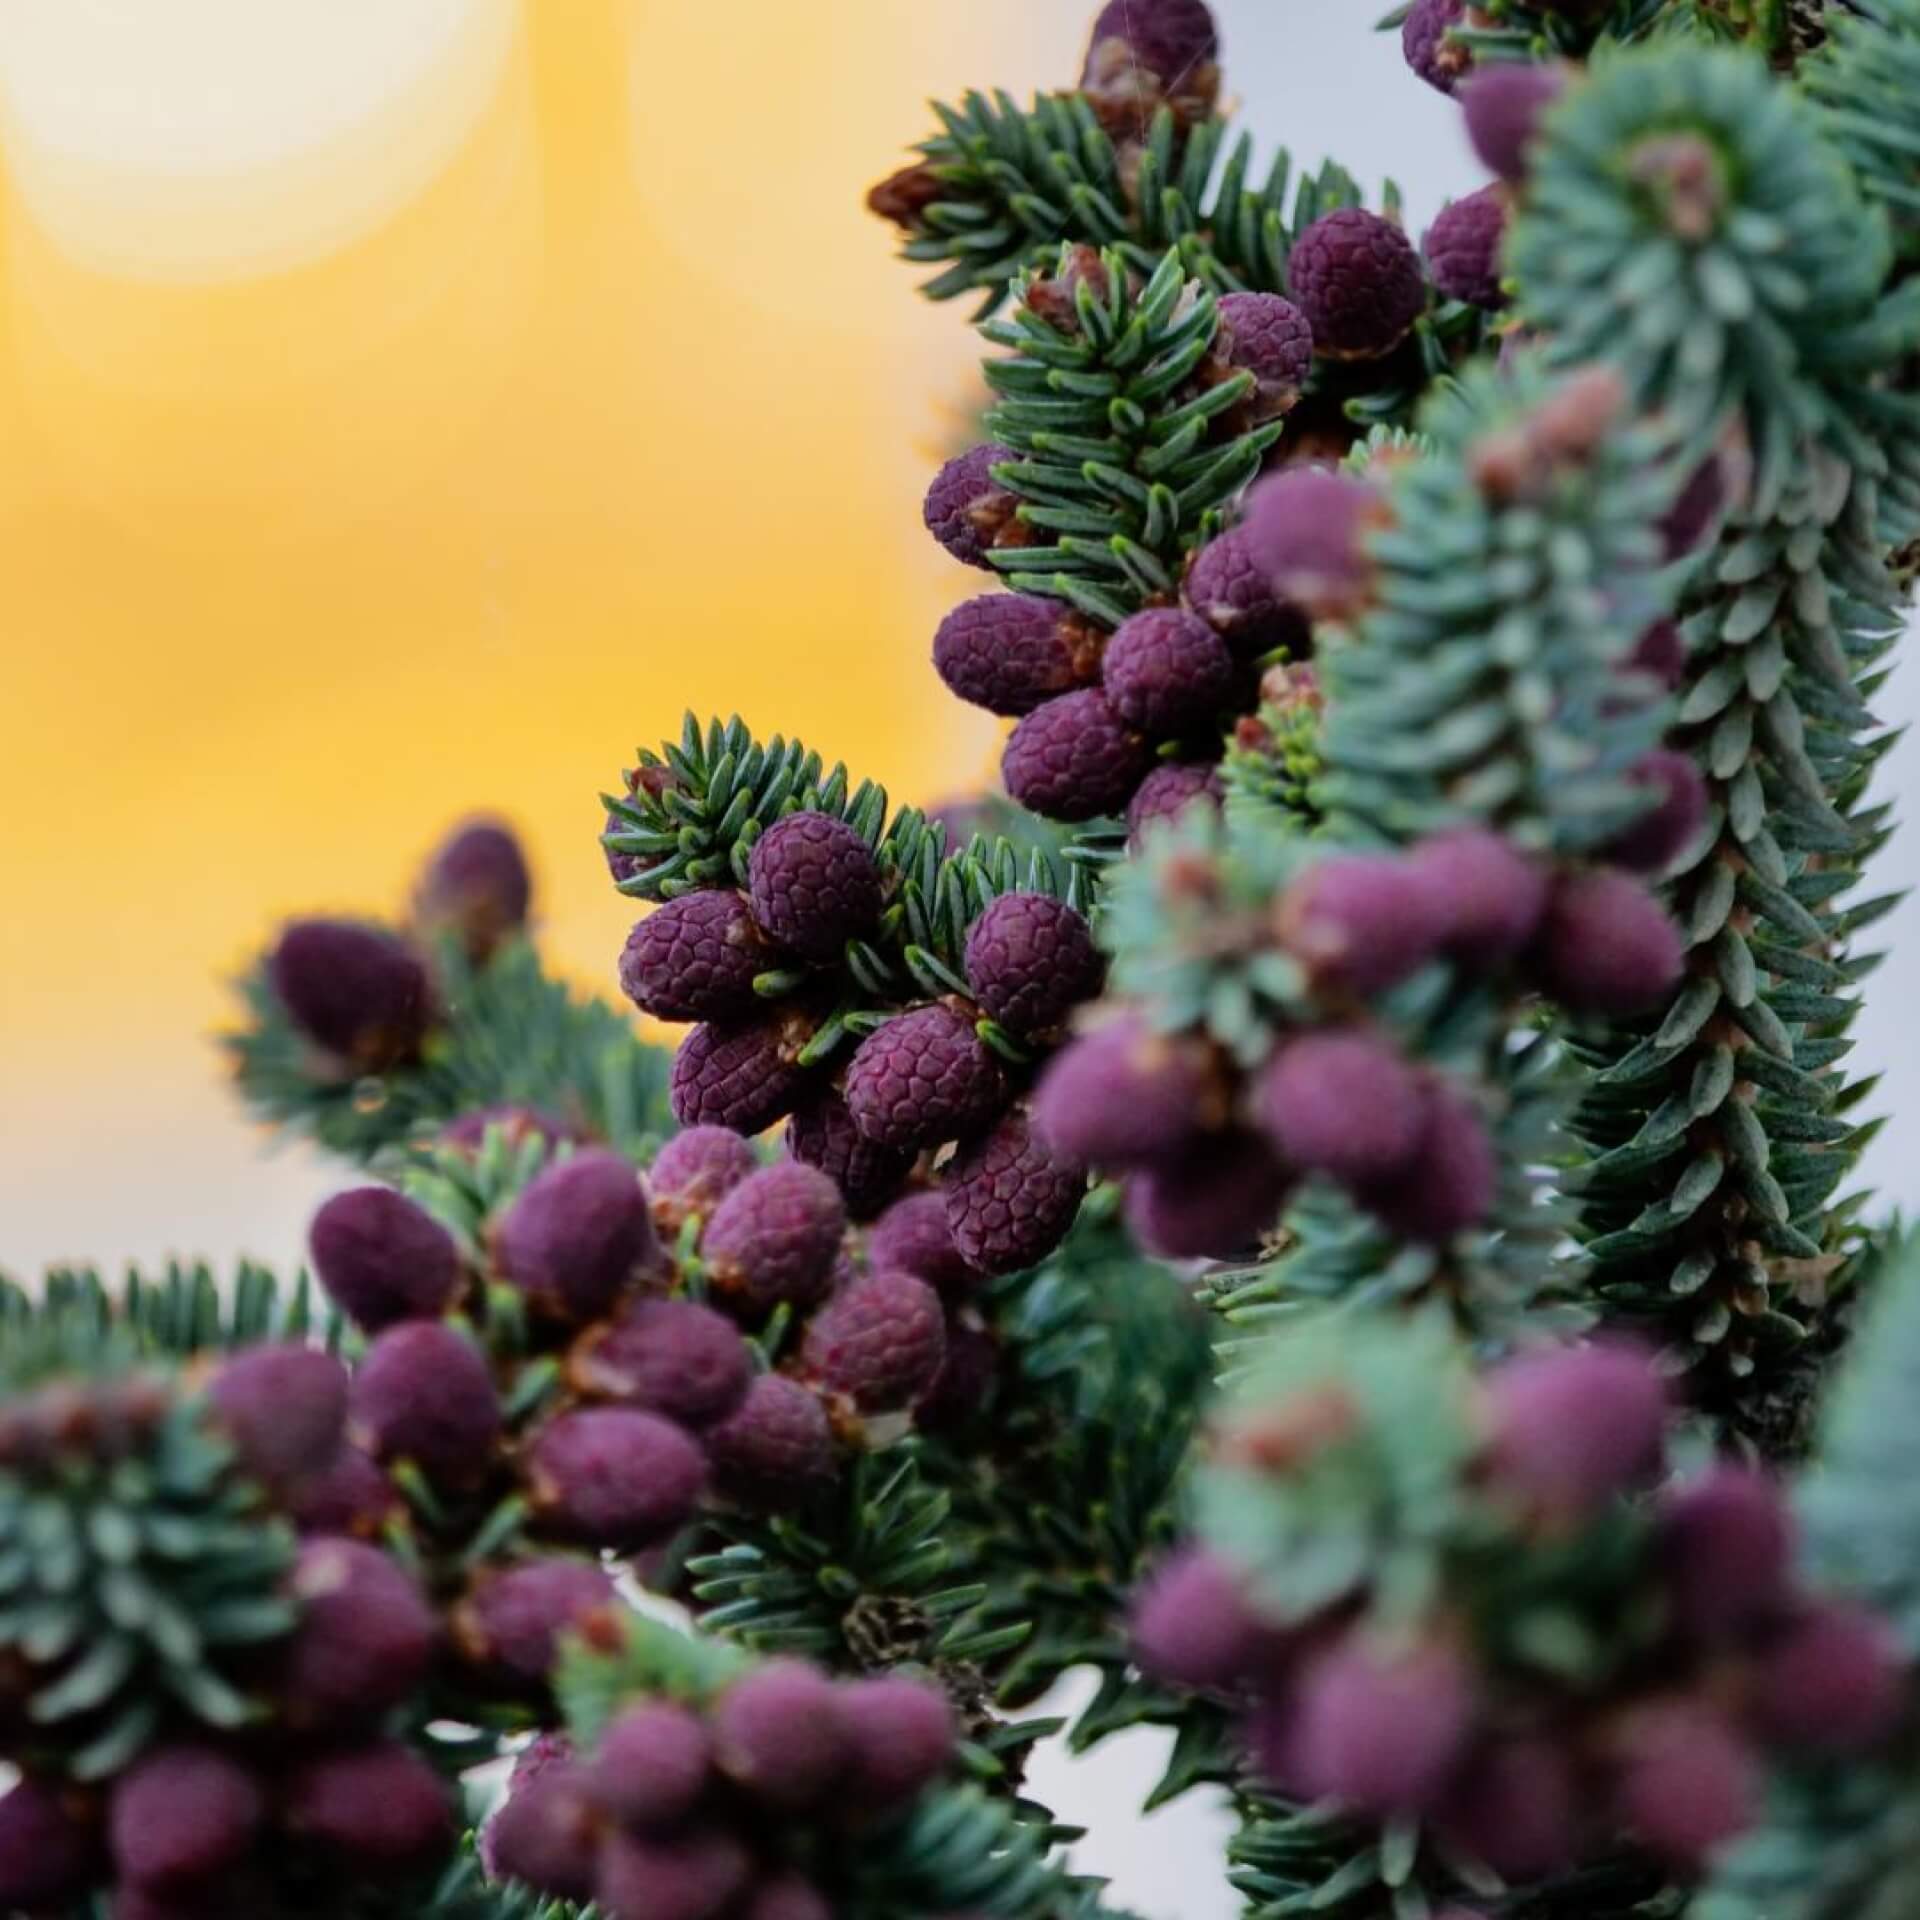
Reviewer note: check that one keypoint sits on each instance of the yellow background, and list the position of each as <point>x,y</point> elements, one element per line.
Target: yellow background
<point>384,436</point>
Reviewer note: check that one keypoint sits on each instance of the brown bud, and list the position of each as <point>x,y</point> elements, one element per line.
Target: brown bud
<point>904,196</point>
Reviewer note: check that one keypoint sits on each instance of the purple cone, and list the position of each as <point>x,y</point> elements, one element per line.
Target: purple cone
<point>742,1077</point>
<point>1453,1180</point>
<point>694,1875</point>
<point>1214,1203</point>
<point>1834,1681</point>
<point>921,1079</point>
<point>1727,1547</point>
<point>913,1236</point>
<point>181,1815</point>
<point>380,1807</point>
<point>1075,758</point>
<point>1125,1096</point>
<point>902,1737</point>
<point>1688,1783</point>
<point>364,1640</point>
<point>1166,671</point>
<point>695,958</point>
<point>814,884</point>
<point>513,1619</point>
<point>284,1406</point>
<point>383,1259</point>
<point>1363,922</point>
<point>1607,945</point>
<point>1357,279</point>
<point>651,1766</point>
<point>1502,106</point>
<point>778,1733</point>
<point>477,886</point>
<point>1030,960</point>
<point>880,1342</point>
<point>675,1357</point>
<point>1232,594</point>
<point>1009,652</point>
<point>578,1235</point>
<point>1489,895</point>
<point>423,1393</point>
<point>1192,1627</point>
<point>1346,1103</point>
<point>776,1447</point>
<point>774,1238</point>
<point>1439,61</point>
<point>1268,337</point>
<point>695,1171</point>
<point>1166,794</point>
<point>357,991</point>
<point>1667,828</point>
<point>615,1477</point>
<point>1463,249</point>
<point>1306,529</point>
<point>1572,1427</point>
<point>821,1134</point>
<point>46,1856</point>
<point>967,509</point>
<point>1010,1198</point>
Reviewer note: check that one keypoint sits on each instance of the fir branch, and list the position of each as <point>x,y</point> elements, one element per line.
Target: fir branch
<point>510,1035</point>
<point>1120,476</point>
<point>1002,187</point>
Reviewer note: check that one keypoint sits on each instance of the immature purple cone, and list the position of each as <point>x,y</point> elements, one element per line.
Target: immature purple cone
<point>1075,758</point>
<point>676,1357</point>
<point>1453,1180</point>
<point>377,1806</point>
<point>356,991</point>
<point>1268,337</point>
<point>1125,1096</point>
<point>1213,1203</point>
<point>921,1079</point>
<point>902,1738</point>
<point>1463,249</point>
<point>1030,961</point>
<point>1707,493</point>
<point>967,509</point>
<point>352,1496</point>
<point>1687,1783</point>
<point>1833,1681</point>
<point>880,1342</point>
<point>1169,37</point>
<point>513,1619</point>
<point>364,1640</point>
<point>1166,671</point>
<point>821,1134</point>
<point>742,1077</point>
<point>1661,654</point>
<point>1346,1103</point>
<point>615,1477</point>
<point>1488,895</point>
<point>1306,529</point>
<point>1357,279</point>
<point>695,958</point>
<point>787,1896</point>
<point>1166,794</point>
<point>476,885</point>
<point>692,1876</point>
<point>1380,1733</point>
<point>778,1732</point>
<point>814,883</point>
<point>1502,106</point>
<point>578,1235</point>
<point>963,1387</point>
<point>775,1448</point>
<point>423,1393</point>
<point>695,1171</point>
<point>1570,1428</point>
<point>1233,596</point>
<point>1010,1198</point>
<point>774,1239</point>
<point>284,1406</point>
<point>1438,60</point>
<point>1008,652</point>
<point>1727,1547</point>
<point>913,1236</point>
<point>1362,922</point>
<point>1191,1625</point>
<point>383,1259</point>
<point>651,1766</point>
<point>1515,1805</point>
<point>182,1815</point>
<point>46,1856</point>
<point>1607,945</point>
<point>1667,828</point>
<point>545,1833</point>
